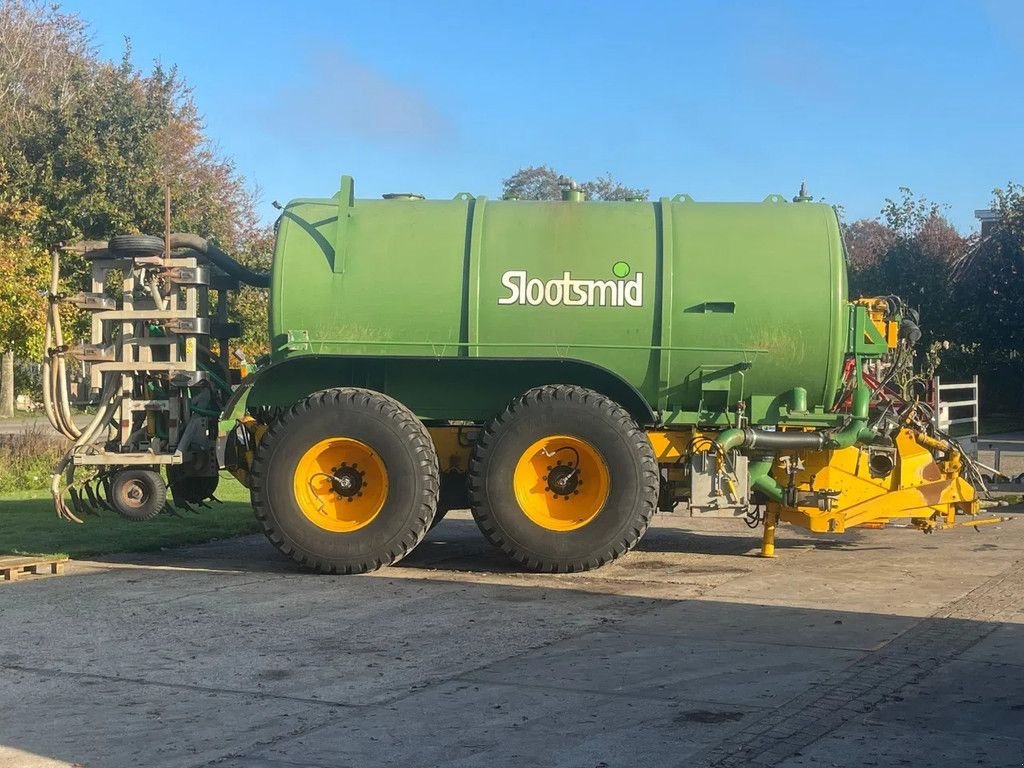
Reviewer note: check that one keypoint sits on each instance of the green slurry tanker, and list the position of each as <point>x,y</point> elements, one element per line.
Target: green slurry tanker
<point>564,369</point>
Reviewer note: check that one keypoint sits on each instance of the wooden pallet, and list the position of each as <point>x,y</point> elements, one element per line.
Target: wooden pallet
<point>15,567</point>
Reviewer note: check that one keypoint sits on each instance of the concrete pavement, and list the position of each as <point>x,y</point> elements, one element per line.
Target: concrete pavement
<point>873,648</point>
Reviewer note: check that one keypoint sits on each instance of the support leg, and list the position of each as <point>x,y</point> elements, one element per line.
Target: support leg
<point>771,520</point>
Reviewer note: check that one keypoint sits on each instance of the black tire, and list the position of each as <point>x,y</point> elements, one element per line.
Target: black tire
<point>585,415</point>
<point>405,450</point>
<point>454,494</point>
<point>137,494</point>
<point>136,245</point>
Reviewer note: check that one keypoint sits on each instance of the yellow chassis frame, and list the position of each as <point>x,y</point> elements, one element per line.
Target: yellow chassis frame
<point>928,491</point>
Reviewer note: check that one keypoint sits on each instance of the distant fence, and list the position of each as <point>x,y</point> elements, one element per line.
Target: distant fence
<point>998,448</point>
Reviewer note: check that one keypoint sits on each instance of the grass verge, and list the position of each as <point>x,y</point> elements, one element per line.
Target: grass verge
<point>29,526</point>
<point>27,458</point>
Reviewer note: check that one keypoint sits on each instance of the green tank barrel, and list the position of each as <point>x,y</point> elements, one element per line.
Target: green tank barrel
<point>695,306</point>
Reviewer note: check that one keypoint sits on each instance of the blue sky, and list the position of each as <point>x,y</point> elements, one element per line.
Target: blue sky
<point>722,100</point>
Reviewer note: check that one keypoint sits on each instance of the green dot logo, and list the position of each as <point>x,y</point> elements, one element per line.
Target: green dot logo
<point>620,269</point>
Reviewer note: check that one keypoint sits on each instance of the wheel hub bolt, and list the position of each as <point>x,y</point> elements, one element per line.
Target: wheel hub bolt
<point>348,481</point>
<point>563,480</point>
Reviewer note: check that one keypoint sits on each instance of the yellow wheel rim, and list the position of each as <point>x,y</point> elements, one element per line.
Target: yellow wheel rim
<point>561,482</point>
<point>340,484</point>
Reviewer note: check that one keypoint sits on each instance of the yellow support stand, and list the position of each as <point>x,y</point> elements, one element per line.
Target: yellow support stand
<point>771,520</point>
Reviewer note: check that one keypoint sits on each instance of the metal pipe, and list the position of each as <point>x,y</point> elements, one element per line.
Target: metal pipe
<point>798,400</point>
<point>934,443</point>
<point>771,441</point>
<point>51,415</point>
<point>108,404</point>
<point>857,431</point>
<point>65,397</point>
<point>63,427</point>
<point>59,374</point>
<point>154,291</point>
<point>48,405</point>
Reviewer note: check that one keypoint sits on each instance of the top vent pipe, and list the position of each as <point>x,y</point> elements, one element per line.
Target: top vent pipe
<point>571,191</point>
<point>403,196</point>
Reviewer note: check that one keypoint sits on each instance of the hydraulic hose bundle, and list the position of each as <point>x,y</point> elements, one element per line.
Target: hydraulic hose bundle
<point>56,400</point>
<point>885,418</point>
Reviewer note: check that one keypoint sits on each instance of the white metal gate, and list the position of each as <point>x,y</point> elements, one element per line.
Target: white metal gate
<point>957,415</point>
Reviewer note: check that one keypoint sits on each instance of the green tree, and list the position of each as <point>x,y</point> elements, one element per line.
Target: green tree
<point>88,146</point>
<point>43,55</point>
<point>24,270</point>
<point>541,182</point>
<point>250,306</point>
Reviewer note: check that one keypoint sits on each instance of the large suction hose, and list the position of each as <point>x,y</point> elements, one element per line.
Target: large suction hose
<point>772,441</point>
<point>56,401</point>
<point>216,256</point>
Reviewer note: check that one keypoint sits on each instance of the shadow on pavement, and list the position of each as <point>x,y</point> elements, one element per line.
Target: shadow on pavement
<point>169,667</point>
<point>457,545</point>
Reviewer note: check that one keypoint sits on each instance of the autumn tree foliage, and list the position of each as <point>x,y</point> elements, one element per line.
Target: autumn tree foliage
<point>989,305</point>
<point>908,252</point>
<point>969,290</point>
<point>867,242</point>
